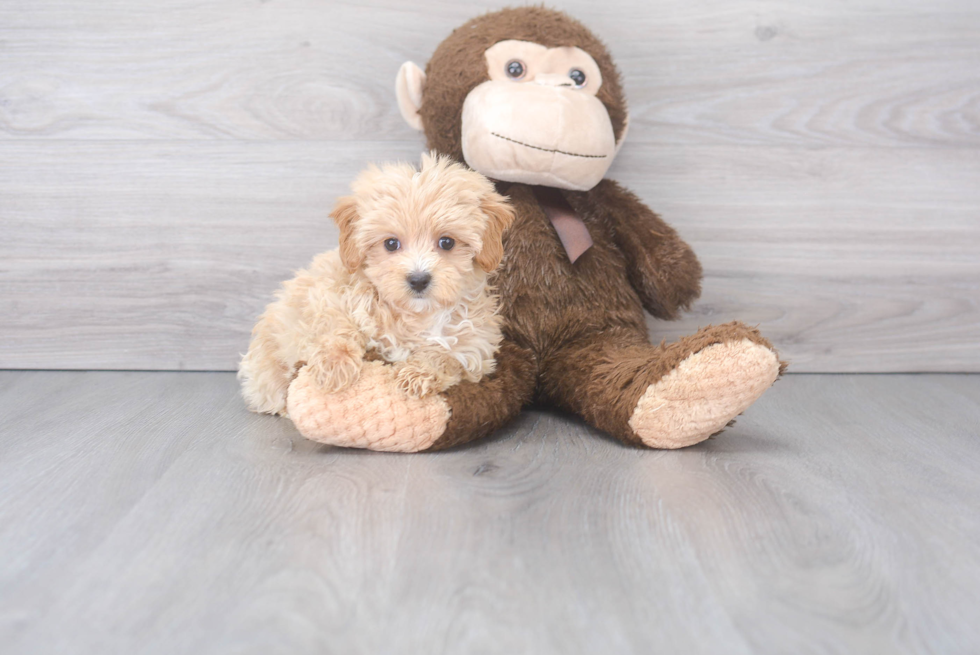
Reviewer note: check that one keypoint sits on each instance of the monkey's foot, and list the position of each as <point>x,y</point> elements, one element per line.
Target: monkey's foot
<point>372,413</point>
<point>704,393</point>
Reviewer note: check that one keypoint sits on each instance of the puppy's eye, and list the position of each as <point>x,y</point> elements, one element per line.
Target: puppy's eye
<point>578,77</point>
<point>515,69</point>
<point>447,243</point>
<point>391,245</point>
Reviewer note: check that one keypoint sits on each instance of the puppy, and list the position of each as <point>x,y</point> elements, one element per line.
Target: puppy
<point>409,281</point>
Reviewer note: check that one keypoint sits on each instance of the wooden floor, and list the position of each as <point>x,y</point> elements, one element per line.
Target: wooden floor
<point>150,513</point>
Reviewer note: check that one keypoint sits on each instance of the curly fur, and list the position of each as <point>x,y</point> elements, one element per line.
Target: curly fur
<point>357,299</point>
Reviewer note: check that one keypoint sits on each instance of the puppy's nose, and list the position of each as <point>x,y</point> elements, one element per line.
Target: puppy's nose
<point>419,281</point>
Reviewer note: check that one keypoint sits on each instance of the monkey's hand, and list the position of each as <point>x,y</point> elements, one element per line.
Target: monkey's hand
<point>661,267</point>
<point>427,372</point>
<point>374,413</point>
<point>371,413</point>
<point>335,365</point>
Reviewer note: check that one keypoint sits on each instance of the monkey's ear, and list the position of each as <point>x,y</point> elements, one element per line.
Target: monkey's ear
<point>499,215</point>
<point>345,215</point>
<point>408,88</point>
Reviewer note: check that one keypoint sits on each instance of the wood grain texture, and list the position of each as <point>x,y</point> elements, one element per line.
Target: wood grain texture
<point>161,254</point>
<point>165,166</point>
<point>150,513</point>
<point>702,71</point>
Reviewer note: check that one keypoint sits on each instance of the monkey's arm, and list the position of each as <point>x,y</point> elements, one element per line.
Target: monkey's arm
<point>374,413</point>
<point>479,408</point>
<point>661,267</point>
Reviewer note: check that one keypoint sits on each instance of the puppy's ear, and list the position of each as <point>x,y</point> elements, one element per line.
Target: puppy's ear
<point>345,215</point>
<point>499,215</point>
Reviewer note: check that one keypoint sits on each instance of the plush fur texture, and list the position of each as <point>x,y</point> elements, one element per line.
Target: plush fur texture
<point>578,329</point>
<point>360,297</point>
<point>458,66</point>
<point>575,334</point>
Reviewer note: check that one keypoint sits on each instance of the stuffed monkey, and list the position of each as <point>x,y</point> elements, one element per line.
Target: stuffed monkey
<point>531,98</point>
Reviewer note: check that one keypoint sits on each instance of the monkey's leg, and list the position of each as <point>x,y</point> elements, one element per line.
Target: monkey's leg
<point>374,413</point>
<point>665,396</point>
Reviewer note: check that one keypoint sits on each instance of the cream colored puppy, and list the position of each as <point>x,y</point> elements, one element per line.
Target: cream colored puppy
<point>409,281</point>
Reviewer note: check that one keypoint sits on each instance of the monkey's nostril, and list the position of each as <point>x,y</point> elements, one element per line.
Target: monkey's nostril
<point>419,281</point>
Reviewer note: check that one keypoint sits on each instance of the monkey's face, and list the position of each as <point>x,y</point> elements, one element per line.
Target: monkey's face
<point>537,120</point>
<point>518,110</point>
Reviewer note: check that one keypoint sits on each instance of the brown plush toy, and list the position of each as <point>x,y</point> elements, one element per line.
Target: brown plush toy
<point>531,98</point>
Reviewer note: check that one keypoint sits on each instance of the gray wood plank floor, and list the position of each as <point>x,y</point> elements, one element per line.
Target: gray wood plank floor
<point>150,513</point>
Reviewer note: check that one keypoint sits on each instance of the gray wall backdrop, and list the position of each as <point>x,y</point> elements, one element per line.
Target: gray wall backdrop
<point>163,165</point>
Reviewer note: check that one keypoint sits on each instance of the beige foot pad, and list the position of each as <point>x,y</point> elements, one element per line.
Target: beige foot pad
<point>373,413</point>
<point>704,393</point>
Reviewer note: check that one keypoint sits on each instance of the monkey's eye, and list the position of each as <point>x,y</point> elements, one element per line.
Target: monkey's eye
<point>391,245</point>
<point>578,77</point>
<point>515,69</point>
<point>447,243</point>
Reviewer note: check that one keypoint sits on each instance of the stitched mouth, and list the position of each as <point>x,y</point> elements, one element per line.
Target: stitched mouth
<point>555,150</point>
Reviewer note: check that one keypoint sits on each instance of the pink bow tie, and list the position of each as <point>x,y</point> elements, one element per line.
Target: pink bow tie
<point>571,229</point>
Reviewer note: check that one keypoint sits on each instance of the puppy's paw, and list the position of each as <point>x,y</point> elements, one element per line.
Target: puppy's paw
<point>335,367</point>
<point>420,381</point>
